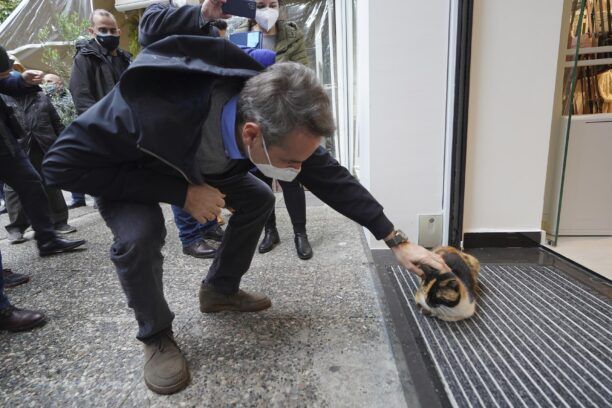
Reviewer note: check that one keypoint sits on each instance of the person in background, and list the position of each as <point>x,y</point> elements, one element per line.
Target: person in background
<point>193,234</point>
<point>96,69</point>
<point>18,173</point>
<point>287,40</point>
<point>42,125</point>
<point>62,101</point>
<point>12,318</point>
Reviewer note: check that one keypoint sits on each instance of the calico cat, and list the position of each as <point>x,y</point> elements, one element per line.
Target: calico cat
<point>449,296</point>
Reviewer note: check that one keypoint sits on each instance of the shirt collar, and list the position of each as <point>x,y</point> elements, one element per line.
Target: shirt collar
<point>228,129</point>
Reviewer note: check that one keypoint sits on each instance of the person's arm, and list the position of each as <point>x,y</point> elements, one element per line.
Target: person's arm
<point>336,187</point>
<point>16,86</point>
<point>162,20</point>
<point>79,85</point>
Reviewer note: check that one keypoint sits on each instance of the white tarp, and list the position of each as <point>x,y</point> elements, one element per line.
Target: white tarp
<point>22,26</point>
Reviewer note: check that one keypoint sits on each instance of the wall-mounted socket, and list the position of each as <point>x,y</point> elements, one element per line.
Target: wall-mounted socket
<point>430,230</point>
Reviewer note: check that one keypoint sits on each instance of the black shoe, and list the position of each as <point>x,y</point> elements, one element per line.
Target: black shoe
<point>77,204</point>
<point>302,246</point>
<point>13,319</point>
<point>12,279</point>
<point>59,245</point>
<point>64,229</point>
<point>214,233</point>
<point>200,249</point>
<point>16,237</point>
<point>271,239</point>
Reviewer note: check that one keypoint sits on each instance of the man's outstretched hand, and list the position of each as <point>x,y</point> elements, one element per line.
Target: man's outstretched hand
<point>204,202</point>
<point>412,256</point>
<point>32,77</point>
<point>211,9</point>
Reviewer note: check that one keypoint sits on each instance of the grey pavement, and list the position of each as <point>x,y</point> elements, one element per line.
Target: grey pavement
<point>323,343</point>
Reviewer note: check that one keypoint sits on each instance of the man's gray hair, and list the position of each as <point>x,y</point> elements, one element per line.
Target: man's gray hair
<point>100,12</point>
<point>285,97</point>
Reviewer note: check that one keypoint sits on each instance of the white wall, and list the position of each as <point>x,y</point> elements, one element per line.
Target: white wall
<point>513,74</point>
<point>402,73</point>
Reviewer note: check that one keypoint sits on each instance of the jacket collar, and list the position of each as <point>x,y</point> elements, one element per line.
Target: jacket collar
<point>91,47</point>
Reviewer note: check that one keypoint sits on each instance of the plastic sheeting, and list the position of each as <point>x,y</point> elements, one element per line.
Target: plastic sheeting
<point>317,21</point>
<point>22,26</point>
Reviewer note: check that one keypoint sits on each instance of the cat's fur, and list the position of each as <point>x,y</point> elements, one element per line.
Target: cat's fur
<point>449,296</point>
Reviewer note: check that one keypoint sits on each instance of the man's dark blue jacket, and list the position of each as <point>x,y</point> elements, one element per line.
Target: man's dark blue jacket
<point>138,144</point>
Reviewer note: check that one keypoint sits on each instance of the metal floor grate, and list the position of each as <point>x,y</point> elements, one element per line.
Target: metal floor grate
<point>538,339</point>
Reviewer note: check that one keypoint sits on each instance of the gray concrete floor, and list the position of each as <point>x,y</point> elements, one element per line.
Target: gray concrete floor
<point>323,343</point>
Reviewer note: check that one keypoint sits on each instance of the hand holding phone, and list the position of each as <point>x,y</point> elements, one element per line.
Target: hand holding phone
<point>212,9</point>
<point>242,8</point>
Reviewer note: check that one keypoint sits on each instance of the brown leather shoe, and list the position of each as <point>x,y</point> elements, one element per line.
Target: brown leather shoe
<point>16,320</point>
<point>212,301</point>
<point>165,368</point>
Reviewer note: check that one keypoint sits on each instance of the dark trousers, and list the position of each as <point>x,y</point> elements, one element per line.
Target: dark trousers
<point>139,234</point>
<point>57,204</point>
<point>295,200</point>
<point>190,230</point>
<point>18,173</point>
<point>4,302</point>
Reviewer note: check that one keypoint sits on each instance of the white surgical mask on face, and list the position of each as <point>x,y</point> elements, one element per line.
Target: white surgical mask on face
<point>266,17</point>
<point>283,174</point>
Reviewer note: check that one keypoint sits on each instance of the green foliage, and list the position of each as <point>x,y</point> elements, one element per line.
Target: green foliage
<point>7,7</point>
<point>68,28</point>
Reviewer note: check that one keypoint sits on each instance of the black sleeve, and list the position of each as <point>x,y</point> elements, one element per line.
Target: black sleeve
<point>336,187</point>
<point>79,85</point>
<point>16,86</point>
<point>162,20</point>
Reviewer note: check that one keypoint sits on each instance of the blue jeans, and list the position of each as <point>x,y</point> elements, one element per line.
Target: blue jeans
<point>190,230</point>
<point>4,302</point>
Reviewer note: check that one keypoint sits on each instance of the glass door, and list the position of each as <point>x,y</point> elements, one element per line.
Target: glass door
<point>576,200</point>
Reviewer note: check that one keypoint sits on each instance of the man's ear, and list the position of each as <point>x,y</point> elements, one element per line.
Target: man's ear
<point>91,31</point>
<point>250,131</point>
<point>118,31</point>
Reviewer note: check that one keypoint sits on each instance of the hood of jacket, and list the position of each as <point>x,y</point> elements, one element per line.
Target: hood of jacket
<point>167,89</point>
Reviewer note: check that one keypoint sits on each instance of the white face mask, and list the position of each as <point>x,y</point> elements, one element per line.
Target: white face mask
<point>287,174</point>
<point>266,17</point>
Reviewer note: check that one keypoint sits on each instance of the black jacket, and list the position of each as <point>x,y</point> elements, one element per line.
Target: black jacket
<point>93,75</point>
<point>38,118</point>
<point>138,144</point>
<point>10,128</point>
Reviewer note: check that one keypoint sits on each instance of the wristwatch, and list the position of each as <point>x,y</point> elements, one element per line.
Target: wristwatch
<point>398,238</point>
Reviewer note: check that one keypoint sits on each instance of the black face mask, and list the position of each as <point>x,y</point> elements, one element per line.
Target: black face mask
<point>108,41</point>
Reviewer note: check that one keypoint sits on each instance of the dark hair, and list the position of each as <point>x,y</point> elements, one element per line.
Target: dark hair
<point>285,97</point>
